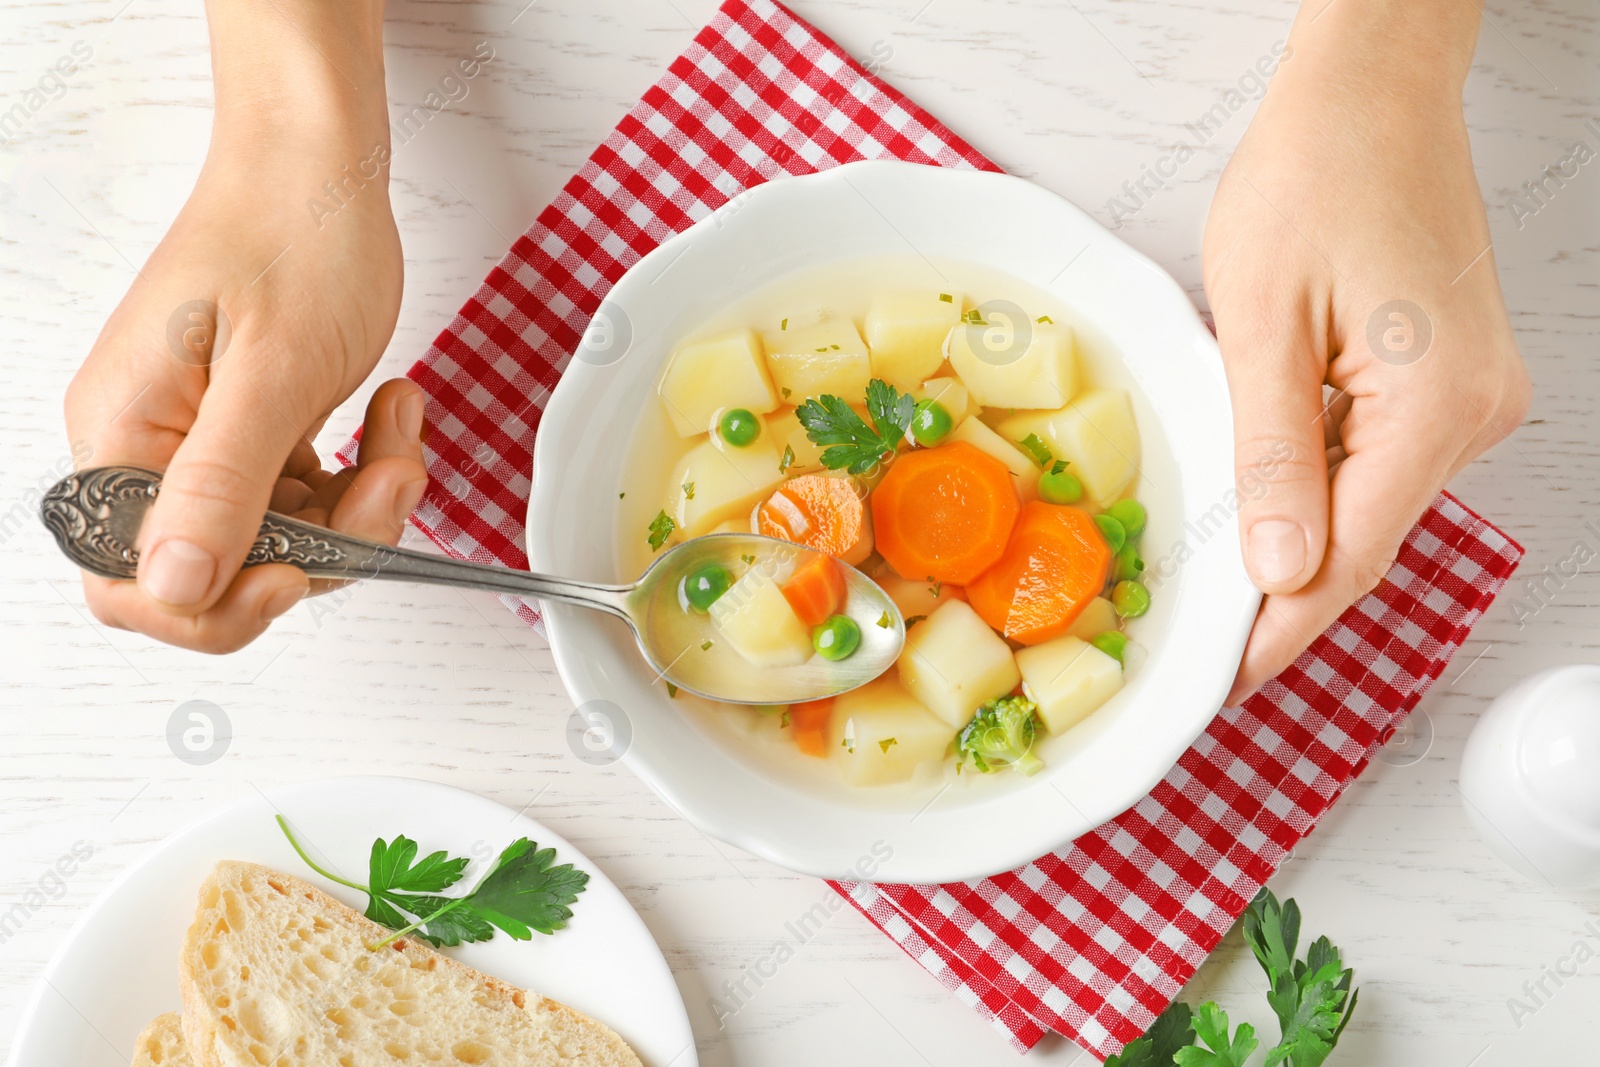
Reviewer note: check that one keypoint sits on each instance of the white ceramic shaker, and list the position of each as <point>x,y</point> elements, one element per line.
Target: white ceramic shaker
<point>1530,776</point>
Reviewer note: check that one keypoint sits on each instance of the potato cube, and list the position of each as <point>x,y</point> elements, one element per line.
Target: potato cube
<point>1068,678</point>
<point>1096,618</point>
<point>1024,471</point>
<point>755,618</point>
<point>880,734</point>
<point>715,482</point>
<point>829,357</point>
<point>951,394</point>
<point>784,430</point>
<point>706,377</point>
<point>906,333</point>
<point>953,662</point>
<point>1096,433</point>
<point>1043,375</point>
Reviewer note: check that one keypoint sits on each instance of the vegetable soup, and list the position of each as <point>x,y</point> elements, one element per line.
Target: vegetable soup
<point>953,434</point>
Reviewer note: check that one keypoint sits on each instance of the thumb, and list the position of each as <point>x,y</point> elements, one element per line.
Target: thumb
<point>1275,375</point>
<point>213,496</point>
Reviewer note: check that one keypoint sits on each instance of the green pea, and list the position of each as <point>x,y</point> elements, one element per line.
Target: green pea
<point>1131,514</point>
<point>739,427</point>
<point>1126,566</point>
<point>930,423</point>
<point>1059,487</point>
<point>1112,531</point>
<point>703,586</point>
<point>1113,643</point>
<point>1130,599</point>
<point>837,638</point>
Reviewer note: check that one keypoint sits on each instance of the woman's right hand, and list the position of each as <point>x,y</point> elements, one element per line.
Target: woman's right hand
<point>253,319</point>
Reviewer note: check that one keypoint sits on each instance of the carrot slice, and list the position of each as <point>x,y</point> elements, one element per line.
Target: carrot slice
<point>819,511</point>
<point>1054,564</point>
<point>944,513</point>
<point>809,721</point>
<point>815,591</point>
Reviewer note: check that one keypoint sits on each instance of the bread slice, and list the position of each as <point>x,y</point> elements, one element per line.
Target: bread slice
<point>276,972</point>
<point>161,1044</point>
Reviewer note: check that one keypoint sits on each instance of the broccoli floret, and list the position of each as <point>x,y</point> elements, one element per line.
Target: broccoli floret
<point>1001,734</point>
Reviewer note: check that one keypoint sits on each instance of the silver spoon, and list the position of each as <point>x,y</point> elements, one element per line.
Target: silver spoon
<point>95,516</point>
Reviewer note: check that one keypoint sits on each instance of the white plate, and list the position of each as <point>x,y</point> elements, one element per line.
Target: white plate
<point>118,968</point>
<point>1194,635</point>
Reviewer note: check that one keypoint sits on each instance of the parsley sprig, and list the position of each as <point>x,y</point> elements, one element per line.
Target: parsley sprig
<point>524,891</point>
<point>1312,999</point>
<point>850,442</point>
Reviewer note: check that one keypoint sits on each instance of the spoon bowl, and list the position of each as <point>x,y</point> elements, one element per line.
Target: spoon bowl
<point>96,514</point>
<point>674,638</point>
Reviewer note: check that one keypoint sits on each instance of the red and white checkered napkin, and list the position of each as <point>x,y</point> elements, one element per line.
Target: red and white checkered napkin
<point>1095,939</point>
<point>1091,941</point>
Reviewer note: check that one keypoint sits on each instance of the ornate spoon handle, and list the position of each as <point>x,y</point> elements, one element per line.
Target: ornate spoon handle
<point>95,516</point>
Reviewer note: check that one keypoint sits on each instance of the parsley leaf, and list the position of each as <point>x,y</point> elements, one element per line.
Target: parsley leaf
<point>1211,1025</point>
<point>787,459</point>
<point>392,866</point>
<point>850,442</point>
<point>526,892</point>
<point>890,409</point>
<point>661,528</point>
<point>1170,1032</point>
<point>1272,931</point>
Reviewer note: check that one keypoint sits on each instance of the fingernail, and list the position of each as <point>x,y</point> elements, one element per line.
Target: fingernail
<point>409,415</point>
<point>280,602</point>
<point>407,497</point>
<point>177,572</point>
<point>1277,550</point>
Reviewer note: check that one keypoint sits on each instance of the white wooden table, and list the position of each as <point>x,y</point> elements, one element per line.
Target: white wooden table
<point>441,685</point>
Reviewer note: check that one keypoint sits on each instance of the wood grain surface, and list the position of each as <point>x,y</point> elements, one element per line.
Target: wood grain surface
<point>1078,96</point>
